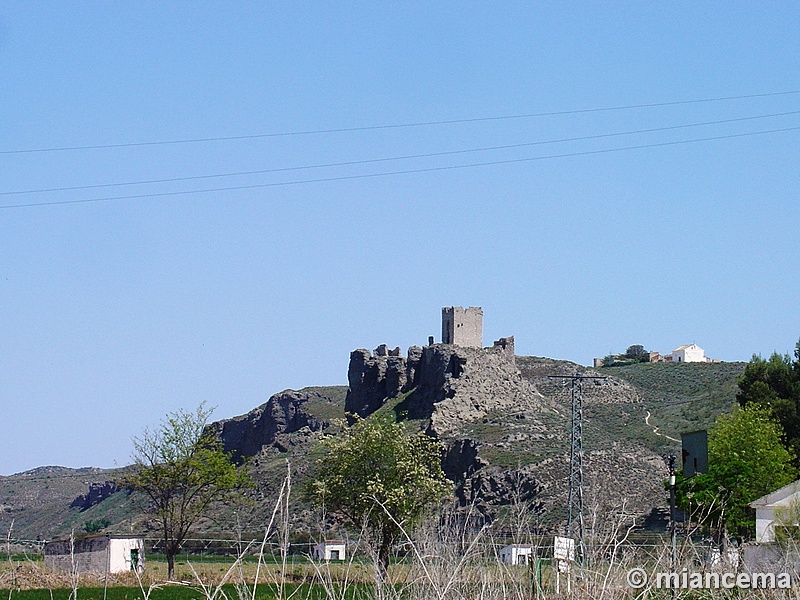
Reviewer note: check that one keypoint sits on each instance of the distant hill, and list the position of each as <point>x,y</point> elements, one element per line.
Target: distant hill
<point>496,451</point>
<point>682,397</point>
<point>39,503</point>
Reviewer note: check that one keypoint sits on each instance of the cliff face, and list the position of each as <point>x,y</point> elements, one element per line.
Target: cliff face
<point>374,379</point>
<point>505,425</point>
<point>449,384</point>
<point>96,494</point>
<point>448,388</point>
<point>280,423</point>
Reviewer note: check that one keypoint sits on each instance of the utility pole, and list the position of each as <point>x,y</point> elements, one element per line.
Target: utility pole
<point>673,530</point>
<point>575,499</point>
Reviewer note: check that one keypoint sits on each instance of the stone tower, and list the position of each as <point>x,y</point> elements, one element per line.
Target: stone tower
<point>462,326</point>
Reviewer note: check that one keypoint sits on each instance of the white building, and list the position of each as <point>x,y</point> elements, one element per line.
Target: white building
<point>330,550</point>
<point>689,353</point>
<point>516,554</point>
<point>780,506</point>
<point>97,554</point>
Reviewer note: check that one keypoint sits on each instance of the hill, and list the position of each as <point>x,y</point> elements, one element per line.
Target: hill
<point>503,420</point>
<point>682,397</point>
<point>47,502</point>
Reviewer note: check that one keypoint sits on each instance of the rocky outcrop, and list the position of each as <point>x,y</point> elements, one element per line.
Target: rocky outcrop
<point>458,385</point>
<point>504,421</point>
<point>97,493</point>
<point>493,488</point>
<point>373,379</point>
<point>447,387</point>
<point>460,460</point>
<point>449,384</point>
<point>280,423</point>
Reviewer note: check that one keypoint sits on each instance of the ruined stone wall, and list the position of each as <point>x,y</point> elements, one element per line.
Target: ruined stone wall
<point>462,326</point>
<point>449,384</point>
<point>506,347</point>
<point>373,378</point>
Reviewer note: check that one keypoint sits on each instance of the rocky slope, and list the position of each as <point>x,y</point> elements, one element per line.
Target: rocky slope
<point>445,385</point>
<point>503,420</point>
<point>280,423</point>
<point>50,501</point>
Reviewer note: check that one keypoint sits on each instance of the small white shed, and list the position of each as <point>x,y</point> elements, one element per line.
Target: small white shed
<point>516,554</point>
<point>96,554</point>
<point>689,353</point>
<point>330,550</point>
<point>769,508</point>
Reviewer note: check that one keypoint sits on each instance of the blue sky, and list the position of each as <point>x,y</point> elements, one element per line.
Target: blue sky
<point>115,312</point>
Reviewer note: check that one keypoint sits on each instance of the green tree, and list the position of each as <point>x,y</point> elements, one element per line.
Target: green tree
<point>636,351</point>
<point>745,461</point>
<point>775,385</point>
<point>95,525</point>
<point>378,474</point>
<point>182,469</point>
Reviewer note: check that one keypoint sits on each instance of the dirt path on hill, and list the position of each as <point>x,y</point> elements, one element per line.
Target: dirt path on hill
<point>655,429</point>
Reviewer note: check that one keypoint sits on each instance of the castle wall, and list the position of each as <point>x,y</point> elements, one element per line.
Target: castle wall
<point>450,382</point>
<point>462,326</point>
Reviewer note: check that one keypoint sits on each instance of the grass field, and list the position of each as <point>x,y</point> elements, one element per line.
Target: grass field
<point>306,581</point>
<point>28,573</point>
<point>683,397</point>
<point>171,592</point>
<point>441,572</point>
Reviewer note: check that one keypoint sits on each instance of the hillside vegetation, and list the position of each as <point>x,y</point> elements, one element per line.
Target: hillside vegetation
<point>682,397</point>
<point>529,443</point>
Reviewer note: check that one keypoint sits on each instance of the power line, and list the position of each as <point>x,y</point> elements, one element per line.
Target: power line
<point>395,126</point>
<point>397,158</point>
<point>401,172</point>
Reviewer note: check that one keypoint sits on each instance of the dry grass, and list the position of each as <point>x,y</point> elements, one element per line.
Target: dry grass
<point>447,558</point>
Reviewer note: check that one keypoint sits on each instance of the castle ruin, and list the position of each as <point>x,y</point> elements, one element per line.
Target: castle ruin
<point>462,326</point>
<point>459,370</point>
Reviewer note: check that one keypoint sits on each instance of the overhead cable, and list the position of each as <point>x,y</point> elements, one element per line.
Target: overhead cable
<point>393,126</point>
<point>400,172</point>
<point>395,158</point>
